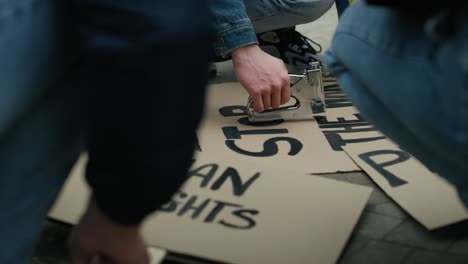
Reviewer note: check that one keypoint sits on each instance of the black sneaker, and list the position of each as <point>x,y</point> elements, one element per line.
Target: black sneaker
<point>292,47</point>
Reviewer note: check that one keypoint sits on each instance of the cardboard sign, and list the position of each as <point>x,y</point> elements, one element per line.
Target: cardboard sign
<point>428,198</point>
<point>226,133</point>
<point>424,195</point>
<point>237,212</point>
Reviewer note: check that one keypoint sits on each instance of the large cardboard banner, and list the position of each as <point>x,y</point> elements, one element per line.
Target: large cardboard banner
<point>227,134</point>
<point>428,198</point>
<point>237,212</point>
<point>424,195</point>
<point>318,147</point>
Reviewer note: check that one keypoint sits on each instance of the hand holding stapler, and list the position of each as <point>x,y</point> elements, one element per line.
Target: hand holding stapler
<point>306,90</point>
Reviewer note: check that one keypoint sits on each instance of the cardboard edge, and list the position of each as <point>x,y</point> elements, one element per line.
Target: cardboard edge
<point>426,226</point>
<point>346,242</point>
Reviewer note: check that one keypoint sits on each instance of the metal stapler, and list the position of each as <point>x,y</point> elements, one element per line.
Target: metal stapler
<point>306,90</point>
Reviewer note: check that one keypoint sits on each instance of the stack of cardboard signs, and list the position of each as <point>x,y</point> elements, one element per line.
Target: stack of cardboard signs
<point>252,196</point>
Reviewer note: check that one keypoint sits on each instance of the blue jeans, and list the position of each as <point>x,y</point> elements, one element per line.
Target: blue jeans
<point>408,76</point>
<point>43,101</point>
<point>238,21</point>
<point>40,119</point>
<point>341,6</point>
<point>270,15</point>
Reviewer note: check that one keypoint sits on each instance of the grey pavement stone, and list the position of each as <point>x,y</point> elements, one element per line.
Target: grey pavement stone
<point>460,247</point>
<point>355,244</point>
<point>432,257</point>
<point>388,209</point>
<point>413,234</point>
<point>379,252</point>
<point>378,197</point>
<point>376,226</point>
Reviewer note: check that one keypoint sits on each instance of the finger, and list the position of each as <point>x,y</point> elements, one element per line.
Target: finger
<point>276,98</point>
<point>286,87</point>
<point>286,91</point>
<point>258,103</point>
<point>266,101</point>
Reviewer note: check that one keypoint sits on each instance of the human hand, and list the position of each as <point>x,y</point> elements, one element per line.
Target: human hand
<point>264,77</point>
<point>97,240</point>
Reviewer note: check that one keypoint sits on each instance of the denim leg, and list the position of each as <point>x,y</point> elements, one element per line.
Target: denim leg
<point>33,39</point>
<point>268,15</point>
<point>341,6</point>
<point>40,128</point>
<point>408,83</point>
<point>35,158</point>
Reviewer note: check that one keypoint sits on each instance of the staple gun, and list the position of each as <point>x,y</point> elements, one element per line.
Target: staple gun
<point>307,98</point>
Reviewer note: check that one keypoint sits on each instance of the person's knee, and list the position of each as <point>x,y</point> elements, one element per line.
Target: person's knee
<point>308,10</point>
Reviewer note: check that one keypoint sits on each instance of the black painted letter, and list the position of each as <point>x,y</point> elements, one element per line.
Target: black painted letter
<point>218,208</point>
<point>270,147</point>
<point>243,214</point>
<point>392,179</point>
<point>189,206</point>
<point>238,188</point>
<point>206,176</point>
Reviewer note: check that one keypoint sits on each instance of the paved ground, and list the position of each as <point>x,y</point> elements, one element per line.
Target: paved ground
<point>384,234</point>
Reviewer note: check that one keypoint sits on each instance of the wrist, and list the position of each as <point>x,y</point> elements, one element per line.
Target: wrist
<point>244,51</point>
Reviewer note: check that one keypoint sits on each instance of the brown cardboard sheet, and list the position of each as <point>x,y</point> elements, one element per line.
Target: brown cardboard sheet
<point>425,196</point>
<point>226,134</point>
<point>428,198</point>
<point>238,212</point>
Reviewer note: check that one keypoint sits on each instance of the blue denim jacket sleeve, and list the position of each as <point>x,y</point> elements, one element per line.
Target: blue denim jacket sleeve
<point>233,26</point>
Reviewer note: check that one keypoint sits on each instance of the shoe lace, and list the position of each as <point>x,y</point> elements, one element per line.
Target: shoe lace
<point>309,42</point>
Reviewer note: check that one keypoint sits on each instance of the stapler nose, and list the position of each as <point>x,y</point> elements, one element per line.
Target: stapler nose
<point>306,90</point>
